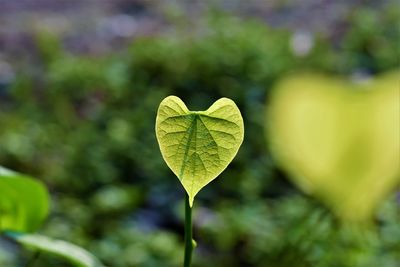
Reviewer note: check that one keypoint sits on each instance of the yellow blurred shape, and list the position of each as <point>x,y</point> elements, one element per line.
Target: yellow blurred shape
<point>339,141</point>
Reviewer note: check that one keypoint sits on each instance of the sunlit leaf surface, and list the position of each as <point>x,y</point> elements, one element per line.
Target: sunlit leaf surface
<point>198,145</point>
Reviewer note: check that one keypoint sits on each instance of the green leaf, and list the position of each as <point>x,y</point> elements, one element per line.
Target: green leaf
<point>68,251</point>
<point>198,145</point>
<point>338,141</point>
<point>24,202</point>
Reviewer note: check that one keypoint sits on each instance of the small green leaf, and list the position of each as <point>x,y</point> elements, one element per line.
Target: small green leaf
<point>24,202</point>
<point>68,251</point>
<point>198,145</point>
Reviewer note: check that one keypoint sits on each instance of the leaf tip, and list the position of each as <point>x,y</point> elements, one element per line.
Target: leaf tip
<point>191,200</point>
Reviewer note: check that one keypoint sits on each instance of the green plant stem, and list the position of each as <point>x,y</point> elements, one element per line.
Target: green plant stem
<point>188,234</point>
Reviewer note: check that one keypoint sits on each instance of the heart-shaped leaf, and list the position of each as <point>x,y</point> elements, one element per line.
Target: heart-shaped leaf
<point>338,141</point>
<point>24,202</point>
<point>198,145</point>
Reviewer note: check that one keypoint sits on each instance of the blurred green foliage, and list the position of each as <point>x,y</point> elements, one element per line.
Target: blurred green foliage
<point>85,124</point>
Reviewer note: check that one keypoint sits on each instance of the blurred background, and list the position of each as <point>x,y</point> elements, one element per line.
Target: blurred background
<point>80,84</point>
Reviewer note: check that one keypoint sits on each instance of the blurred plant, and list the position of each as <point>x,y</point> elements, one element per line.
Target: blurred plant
<point>338,140</point>
<point>197,146</point>
<point>24,206</point>
<point>18,211</point>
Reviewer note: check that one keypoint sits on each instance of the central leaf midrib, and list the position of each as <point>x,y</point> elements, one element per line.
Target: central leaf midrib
<point>191,130</point>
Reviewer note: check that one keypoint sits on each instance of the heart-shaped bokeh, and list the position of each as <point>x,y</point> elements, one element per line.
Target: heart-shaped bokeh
<point>198,145</point>
<point>339,141</point>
